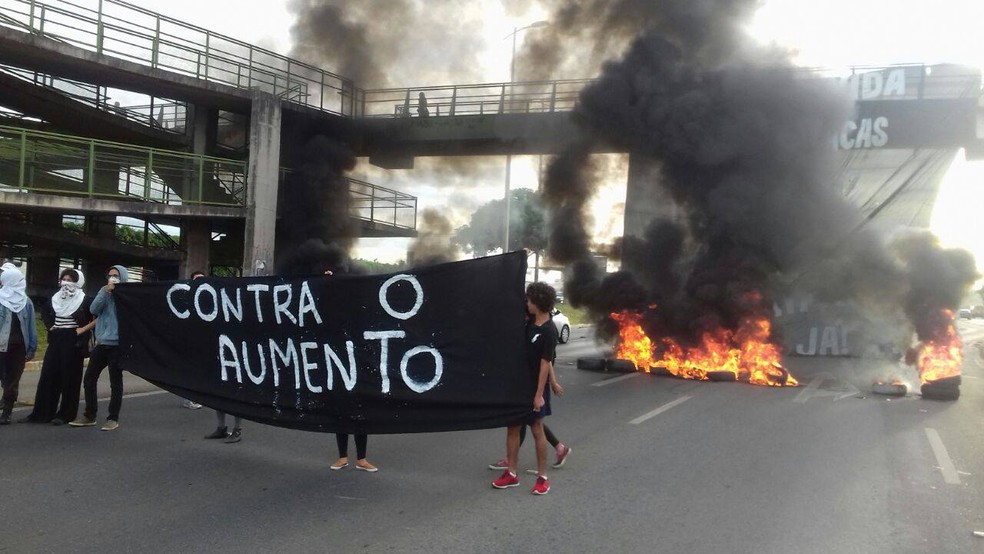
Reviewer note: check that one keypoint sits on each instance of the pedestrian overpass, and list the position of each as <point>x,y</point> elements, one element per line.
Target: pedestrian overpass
<point>225,102</point>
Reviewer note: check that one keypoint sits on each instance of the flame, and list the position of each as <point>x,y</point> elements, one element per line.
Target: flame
<point>942,356</point>
<point>747,352</point>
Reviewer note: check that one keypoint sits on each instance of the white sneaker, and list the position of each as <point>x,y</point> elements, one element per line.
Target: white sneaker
<point>111,425</point>
<point>191,405</point>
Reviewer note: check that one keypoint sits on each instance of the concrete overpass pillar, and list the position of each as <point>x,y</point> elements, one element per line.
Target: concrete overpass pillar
<point>196,239</point>
<point>645,199</point>
<point>262,184</point>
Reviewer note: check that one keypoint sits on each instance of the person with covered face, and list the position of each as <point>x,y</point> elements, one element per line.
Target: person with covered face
<point>18,337</point>
<point>105,354</point>
<point>68,321</point>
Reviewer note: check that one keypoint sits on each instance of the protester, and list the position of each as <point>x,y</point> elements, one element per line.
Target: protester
<point>561,449</point>
<point>361,444</point>
<point>191,404</point>
<point>361,440</point>
<point>541,343</point>
<point>222,431</point>
<point>105,354</point>
<point>68,321</point>
<point>18,337</point>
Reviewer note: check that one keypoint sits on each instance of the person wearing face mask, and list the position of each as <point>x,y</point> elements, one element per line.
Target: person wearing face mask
<point>105,354</point>
<point>18,338</point>
<point>68,321</point>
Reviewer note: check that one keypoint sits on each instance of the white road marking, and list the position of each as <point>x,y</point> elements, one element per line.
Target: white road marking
<point>950,475</point>
<point>659,410</point>
<point>107,399</point>
<point>615,380</point>
<point>813,389</point>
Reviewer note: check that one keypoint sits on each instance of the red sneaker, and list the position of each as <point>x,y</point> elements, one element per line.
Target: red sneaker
<point>501,464</point>
<point>542,485</point>
<point>506,480</point>
<point>562,451</point>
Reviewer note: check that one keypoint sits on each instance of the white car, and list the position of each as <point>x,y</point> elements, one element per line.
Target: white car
<point>563,326</point>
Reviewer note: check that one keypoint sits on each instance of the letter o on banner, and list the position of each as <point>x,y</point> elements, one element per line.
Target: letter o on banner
<point>215,302</point>
<point>384,302</point>
<point>417,386</point>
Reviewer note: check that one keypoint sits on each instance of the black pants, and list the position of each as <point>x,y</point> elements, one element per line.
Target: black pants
<point>11,368</point>
<point>361,442</point>
<point>61,377</point>
<point>101,357</point>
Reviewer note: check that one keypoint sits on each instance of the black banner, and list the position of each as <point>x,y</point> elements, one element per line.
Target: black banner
<point>435,349</point>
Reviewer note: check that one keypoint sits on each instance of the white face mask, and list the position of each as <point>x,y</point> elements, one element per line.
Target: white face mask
<point>114,279</point>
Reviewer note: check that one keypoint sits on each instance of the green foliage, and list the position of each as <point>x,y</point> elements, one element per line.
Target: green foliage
<point>42,338</point>
<point>577,316</point>
<point>132,235</point>
<point>376,267</point>
<point>527,225</point>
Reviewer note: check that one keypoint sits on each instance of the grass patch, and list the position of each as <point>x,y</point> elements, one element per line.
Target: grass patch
<point>577,316</point>
<point>42,338</point>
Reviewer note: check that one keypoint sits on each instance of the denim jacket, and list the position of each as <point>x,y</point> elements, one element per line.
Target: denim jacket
<point>26,317</point>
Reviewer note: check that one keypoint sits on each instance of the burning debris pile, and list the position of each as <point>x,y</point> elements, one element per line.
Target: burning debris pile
<point>736,142</point>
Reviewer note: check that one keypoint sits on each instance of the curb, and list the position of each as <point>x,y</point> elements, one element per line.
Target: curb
<point>35,365</point>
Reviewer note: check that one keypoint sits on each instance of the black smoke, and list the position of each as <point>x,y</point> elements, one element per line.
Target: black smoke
<point>738,143</point>
<point>315,230</point>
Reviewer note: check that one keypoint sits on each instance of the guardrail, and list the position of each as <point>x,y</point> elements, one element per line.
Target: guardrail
<point>378,204</point>
<point>129,32</point>
<point>479,99</point>
<point>35,161</point>
<point>159,113</point>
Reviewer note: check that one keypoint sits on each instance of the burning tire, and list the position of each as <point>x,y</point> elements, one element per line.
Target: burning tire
<point>722,376</point>
<point>591,364</point>
<point>942,389</point>
<point>620,366</point>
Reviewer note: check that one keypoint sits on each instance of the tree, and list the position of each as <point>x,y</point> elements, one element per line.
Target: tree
<point>527,225</point>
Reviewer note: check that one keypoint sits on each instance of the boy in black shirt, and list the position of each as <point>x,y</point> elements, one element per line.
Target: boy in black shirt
<point>541,343</point>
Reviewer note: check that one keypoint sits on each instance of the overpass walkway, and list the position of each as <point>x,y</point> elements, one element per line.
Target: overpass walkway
<point>81,175</point>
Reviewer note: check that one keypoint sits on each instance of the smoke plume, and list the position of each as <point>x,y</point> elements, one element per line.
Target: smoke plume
<point>389,43</point>
<point>315,230</point>
<point>736,141</point>
<point>433,242</point>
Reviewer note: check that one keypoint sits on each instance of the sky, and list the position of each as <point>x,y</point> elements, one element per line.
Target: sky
<point>831,33</point>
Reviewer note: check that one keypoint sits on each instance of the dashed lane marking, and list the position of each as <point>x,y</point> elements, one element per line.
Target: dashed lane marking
<point>607,382</point>
<point>659,410</point>
<point>950,475</point>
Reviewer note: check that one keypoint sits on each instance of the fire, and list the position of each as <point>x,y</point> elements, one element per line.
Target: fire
<point>747,352</point>
<point>942,356</point>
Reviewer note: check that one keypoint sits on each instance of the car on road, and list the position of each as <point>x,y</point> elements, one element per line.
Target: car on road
<point>563,326</point>
<point>965,313</point>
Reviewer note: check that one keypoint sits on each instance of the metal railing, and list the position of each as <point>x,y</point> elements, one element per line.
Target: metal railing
<point>34,161</point>
<point>132,33</point>
<point>160,113</point>
<point>921,81</point>
<point>480,99</point>
<point>378,204</point>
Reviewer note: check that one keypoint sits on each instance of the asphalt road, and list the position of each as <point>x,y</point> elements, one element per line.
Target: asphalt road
<point>659,465</point>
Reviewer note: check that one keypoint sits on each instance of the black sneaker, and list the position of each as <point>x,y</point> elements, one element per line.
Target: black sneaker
<point>57,421</point>
<point>219,433</point>
<point>235,436</point>
<point>5,419</point>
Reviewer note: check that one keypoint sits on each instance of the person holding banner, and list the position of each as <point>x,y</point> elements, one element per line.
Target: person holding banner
<point>361,443</point>
<point>18,337</point>
<point>541,344</point>
<point>191,404</point>
<point>105,354</point>
<point>68,321</point>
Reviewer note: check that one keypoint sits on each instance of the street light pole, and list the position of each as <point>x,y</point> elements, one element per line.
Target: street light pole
<point>512,78</point>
